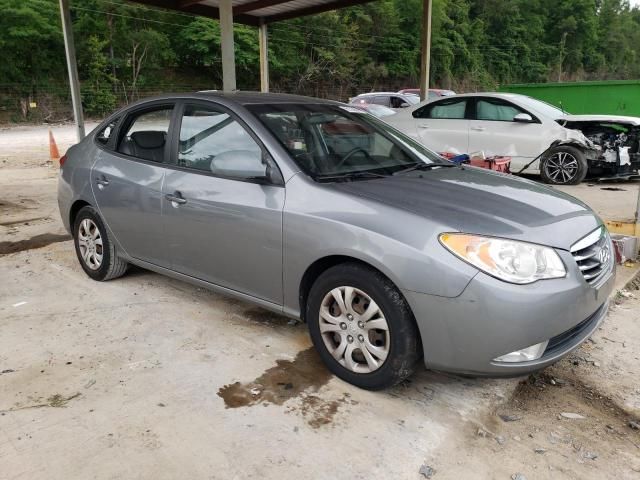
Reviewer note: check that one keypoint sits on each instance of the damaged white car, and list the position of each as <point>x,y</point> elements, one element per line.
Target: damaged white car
<point>539,138</point>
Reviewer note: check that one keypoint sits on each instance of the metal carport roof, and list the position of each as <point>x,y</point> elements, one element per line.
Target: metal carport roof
<point>253,12</point>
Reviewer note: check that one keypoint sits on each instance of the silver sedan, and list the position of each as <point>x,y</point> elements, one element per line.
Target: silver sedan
<point>319,211</point>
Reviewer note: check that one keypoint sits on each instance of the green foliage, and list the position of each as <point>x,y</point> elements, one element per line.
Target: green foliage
<point>126,50</point>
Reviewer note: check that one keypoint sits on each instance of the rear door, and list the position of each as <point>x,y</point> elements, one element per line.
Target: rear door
<point>223,225</point>
<point>127,182</point>
<point>443,126</point>
<point>494,132</point>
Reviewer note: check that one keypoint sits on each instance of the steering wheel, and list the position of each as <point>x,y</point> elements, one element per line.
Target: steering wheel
<point>350,154</point>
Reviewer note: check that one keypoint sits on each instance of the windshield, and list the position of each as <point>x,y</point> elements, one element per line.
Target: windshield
<point>542,107</point>
<point>413,99</point>
<point>333,140</point>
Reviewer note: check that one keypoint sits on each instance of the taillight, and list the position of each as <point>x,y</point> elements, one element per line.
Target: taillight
<point>63,159</point>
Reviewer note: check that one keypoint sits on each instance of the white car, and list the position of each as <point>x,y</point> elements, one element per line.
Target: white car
<point>562,148</point>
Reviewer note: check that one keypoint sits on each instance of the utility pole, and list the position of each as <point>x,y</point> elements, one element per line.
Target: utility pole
<point>425,56</point>
<point>72,66</point>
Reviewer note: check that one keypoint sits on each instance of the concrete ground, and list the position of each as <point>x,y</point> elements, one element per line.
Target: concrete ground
<point>149,377</point>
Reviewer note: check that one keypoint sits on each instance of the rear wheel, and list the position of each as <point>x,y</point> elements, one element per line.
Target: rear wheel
<point>362,327</point>
<point>564,165</point>
<point>95,250</point>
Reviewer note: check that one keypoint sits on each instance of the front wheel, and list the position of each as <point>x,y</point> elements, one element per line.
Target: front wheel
<point>362,327</point>
<point>564,165</point>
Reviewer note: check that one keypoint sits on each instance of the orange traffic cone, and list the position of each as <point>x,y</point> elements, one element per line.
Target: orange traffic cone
<point>53,148</point>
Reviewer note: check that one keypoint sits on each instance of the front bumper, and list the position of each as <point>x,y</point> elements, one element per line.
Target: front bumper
<point>492,318</point>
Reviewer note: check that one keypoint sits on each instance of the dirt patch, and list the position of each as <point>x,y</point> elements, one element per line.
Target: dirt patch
<point>552,427</point>
<point>54,401</point>
<point>37,241</point>
<point>287,380</point>
<point>26,221</point>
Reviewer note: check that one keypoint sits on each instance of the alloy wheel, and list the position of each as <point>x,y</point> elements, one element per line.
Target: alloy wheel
<point>354,329</point>
<point>90,244</point>
<point>561,167</point>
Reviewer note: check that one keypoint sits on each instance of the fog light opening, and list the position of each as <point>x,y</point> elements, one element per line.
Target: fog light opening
<point>528,354</point>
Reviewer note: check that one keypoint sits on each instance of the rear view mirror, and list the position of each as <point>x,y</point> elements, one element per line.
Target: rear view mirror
<point>523,118</point>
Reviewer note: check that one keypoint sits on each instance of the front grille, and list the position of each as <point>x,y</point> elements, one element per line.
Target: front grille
<point>593,254</point>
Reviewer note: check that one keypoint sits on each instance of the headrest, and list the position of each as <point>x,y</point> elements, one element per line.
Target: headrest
<point>149,139</point>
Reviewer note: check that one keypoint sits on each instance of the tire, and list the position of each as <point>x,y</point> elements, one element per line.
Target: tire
<point>564,165</point>
<point>94,249</point>
<point>343,330</point>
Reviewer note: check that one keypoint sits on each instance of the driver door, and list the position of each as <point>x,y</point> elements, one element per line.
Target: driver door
<point>224,225</point>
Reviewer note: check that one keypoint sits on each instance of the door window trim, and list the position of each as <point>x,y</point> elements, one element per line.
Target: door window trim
<point>467,109</point>
<point>474,110</point>
<point>174,138</point>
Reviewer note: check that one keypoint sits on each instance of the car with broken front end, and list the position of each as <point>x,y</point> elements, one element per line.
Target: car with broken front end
<point>538,137</point>
<point>320,211</point>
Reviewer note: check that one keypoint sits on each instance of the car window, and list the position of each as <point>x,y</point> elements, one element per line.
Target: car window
<point>496,110</point>
<point>397,101</point>
<point>446,109</point>
<point>104,135</point>
<point>146,136</point>
<point>381,100</point>
<point>213,141</point>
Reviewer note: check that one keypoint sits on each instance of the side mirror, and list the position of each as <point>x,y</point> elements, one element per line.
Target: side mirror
<point>523,118</point>
<point>239,163</point>
<point>404,105</point>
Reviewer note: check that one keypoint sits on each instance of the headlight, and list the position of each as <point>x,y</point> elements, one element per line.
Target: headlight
<point>508,260</point>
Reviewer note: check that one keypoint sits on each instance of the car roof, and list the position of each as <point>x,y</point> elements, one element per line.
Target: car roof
<point>242,97</point>
<point>382,93</point>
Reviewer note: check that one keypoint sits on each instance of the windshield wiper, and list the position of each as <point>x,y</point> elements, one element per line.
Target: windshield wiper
<point>424,166</point>
<point>351,176</point>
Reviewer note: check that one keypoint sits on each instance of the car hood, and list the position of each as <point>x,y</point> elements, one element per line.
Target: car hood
<point>602,118</point>
<point>479,201</point>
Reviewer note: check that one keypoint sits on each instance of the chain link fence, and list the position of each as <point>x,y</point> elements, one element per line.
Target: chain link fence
<point>51,103</point>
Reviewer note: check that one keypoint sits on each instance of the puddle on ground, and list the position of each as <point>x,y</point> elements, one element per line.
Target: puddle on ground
<point>264,317</point>
<point>288,379</point>
<point>38,241</point>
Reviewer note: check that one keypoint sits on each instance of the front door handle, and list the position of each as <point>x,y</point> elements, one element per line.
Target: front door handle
<point>176,198</point>
<point>102,182</point>
<point>423,126</point>
<point>478,129</point>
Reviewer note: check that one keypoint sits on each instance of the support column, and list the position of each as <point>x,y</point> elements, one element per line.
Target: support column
<point>72,66</point>
<point>426,49</point>
<point>228,49</point>
<point>263,38</point>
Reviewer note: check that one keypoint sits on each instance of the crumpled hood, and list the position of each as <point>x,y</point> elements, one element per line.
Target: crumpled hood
<point>602,118</point>
<point>479,201</point>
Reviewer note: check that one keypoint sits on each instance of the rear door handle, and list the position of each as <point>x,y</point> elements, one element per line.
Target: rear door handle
<point>176,198</point>
<point>423,126</point>
<point>102,181</point>
<point>478,129</point>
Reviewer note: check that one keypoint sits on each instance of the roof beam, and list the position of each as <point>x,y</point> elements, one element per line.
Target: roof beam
<point>187,3</point>
<point>257,5</point>
<point>197,8</point>
<point>301,12</point>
